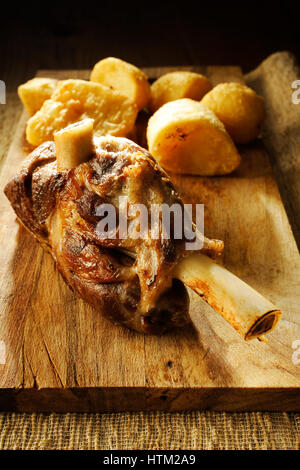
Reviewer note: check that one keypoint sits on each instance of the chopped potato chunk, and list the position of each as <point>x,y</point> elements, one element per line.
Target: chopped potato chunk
<point>74,100</point>
<point>239,108</point>
<point>186,137</point>
<point>176,85</point>
<point>123,77</point>
<point>34,92</point>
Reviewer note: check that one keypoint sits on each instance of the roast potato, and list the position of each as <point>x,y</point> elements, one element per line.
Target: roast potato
<point>34,92</point>
<point>186,137</point>
<point>239,108</point>
<point>123,77</point>
<point>74,100</point>
<point>176,85</point>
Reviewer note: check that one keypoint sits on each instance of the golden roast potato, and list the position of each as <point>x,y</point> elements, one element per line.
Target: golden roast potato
<point>75,100</point>
<point>239,108</point>
<point>123,77</point>
<point>34,92</point>
<point>186,137</point>
<point>176,85</point>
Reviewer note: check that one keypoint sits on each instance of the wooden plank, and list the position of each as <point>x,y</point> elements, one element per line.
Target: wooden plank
<point>61,355</point>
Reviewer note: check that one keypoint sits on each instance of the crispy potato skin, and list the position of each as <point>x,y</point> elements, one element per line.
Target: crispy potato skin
<point>176,85</point>
<point>34,92</point>
<point>123,77</point>
<point>239,108</point>
<point>74,100</point>
<point>186,137</point>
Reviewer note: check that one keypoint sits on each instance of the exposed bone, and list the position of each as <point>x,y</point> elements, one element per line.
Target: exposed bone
<point>74,144</point>
<point>251,314</point>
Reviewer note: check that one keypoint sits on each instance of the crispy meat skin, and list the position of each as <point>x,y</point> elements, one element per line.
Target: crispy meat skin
<point>59,209</point>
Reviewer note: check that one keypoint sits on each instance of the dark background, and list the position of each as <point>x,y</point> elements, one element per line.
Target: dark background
<point>146,34</point>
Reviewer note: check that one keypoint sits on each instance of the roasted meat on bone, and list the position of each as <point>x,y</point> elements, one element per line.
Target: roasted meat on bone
<point>138,283</point>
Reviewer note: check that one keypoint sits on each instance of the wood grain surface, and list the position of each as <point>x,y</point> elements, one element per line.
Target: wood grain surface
<point>62,355</point>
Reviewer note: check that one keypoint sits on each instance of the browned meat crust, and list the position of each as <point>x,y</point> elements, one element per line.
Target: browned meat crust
<point>59,209</point>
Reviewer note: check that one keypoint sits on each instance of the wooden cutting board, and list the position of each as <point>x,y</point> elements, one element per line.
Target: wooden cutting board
<point>62,355</point>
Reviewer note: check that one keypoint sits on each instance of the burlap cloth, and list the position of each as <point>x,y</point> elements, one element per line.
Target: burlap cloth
<point>150,430</point>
